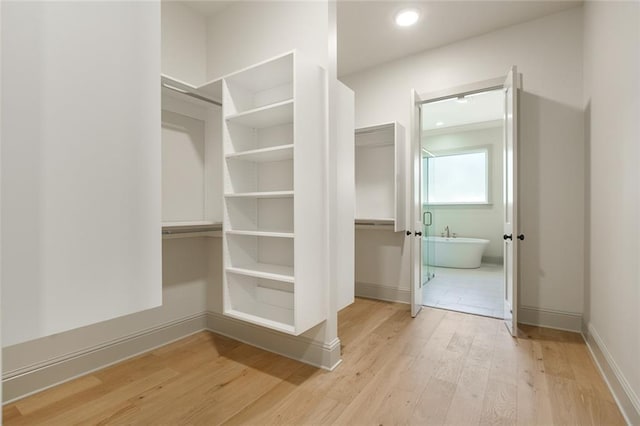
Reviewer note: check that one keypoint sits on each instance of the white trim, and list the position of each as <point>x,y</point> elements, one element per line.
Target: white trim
<point>300,348</point>
<point>625,397</point>
<point>462,90</point>
<point>383,292</point>
<point>558,320</point>
<point>25,381</point>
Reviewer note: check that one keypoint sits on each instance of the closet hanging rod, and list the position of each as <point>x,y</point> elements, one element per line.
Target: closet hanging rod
<point>193,95</point>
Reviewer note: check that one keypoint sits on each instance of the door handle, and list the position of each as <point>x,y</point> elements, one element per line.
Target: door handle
<point>408,233</point>
<point>418,234</point>
<point>507,237</point>
<point>521,237</point>
<point>424,220</point>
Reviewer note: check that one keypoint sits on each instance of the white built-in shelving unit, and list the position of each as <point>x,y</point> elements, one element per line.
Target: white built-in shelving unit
<point>274,227</point>
<point>191,160</point>
<point>381,180</point>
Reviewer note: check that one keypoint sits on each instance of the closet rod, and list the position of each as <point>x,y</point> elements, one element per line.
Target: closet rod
<point>193,95</point>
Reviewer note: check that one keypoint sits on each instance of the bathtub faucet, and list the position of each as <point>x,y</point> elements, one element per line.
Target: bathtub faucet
<point>446,229</point>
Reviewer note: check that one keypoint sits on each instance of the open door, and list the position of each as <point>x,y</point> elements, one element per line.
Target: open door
<point>414,230</point>
<point>511,201</point>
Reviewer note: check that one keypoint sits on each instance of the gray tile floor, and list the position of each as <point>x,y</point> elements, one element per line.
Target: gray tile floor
<point>476,291</point>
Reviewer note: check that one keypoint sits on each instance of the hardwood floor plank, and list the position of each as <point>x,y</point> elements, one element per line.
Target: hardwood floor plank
<point>50,396</point>
<point>439,368</point>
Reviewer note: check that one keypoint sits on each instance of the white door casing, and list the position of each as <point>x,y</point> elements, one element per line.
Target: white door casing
<point>416,206</point>
<point>510,182</point>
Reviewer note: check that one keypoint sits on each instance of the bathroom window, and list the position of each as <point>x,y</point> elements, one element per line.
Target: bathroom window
<point>458,178</point>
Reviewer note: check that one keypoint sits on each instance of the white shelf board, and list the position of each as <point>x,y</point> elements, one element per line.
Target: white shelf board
<point>264,155</point>
<point>264,270</point>
<point>379,220</point>
<point>268,194</point>
<point>265,75</point>
<point>255,319</point>
<point>212,89</point>
<point>183,224</point>
<point>209,234</point>
<point>266,116</point>
<point>262,233</point>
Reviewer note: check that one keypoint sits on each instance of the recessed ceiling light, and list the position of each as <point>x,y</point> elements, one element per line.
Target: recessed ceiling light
<point>439,123</point>
<point>407,17</point>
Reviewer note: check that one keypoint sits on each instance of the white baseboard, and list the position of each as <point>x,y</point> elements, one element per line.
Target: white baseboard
<point>551,319</point>
<point>25,381</point>
<point>382,292</point>
<point>625,397</point>
<point>300,348</point>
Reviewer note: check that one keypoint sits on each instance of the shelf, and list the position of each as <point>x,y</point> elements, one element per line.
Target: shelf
<point>191,229</point>
<point>202,95</point>
<point>264,155</point>
<point>269,194</point>
<point>262,234</point>
<point>191,223</point>
<point>266,116</point>
<point>258,320</point>
<point>264,270</point>
<point>265,75</point>
<point>195,234</point>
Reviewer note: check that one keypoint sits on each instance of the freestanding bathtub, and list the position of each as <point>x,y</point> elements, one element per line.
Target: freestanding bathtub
<point>463,253</point>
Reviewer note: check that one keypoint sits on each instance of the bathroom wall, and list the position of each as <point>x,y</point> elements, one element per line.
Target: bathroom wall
<point>475,220</point>
<point>548,52</point>
<point>612,134</point>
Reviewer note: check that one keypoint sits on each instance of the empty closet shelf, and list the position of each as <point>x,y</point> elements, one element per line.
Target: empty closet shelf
<point>267,194</point>
<point>261,233</point>
<point>262,321</point>
<point>264,270</point>
<point>266,116</point>
<point>264,155</point>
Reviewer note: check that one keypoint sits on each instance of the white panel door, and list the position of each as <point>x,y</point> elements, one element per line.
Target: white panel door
<point>511,201</point>
<point>414,232</point>
<point>81,232</point>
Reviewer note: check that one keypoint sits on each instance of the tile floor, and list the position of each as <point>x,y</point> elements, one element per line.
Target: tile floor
<point>476,291</point>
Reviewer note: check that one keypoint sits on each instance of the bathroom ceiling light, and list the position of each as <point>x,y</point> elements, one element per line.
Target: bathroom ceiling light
<point>407,17</point>
<point>439,123</point>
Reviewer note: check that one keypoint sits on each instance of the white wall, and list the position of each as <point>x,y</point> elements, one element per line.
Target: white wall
<point>191,275</point>
<point>81,186</point>
<point>245,33</point>
<point>184,43</point>
<point>548,52</point>
<point>473,221</point>
<point>187,274</point>
<point>611,88</point>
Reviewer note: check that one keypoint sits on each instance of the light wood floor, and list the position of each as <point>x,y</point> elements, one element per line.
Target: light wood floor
<point>443,367</point>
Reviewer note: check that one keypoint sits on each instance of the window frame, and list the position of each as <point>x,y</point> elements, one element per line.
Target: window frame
<point>488,151</point>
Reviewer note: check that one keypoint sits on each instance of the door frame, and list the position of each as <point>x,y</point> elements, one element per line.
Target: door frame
<point>428,97</point>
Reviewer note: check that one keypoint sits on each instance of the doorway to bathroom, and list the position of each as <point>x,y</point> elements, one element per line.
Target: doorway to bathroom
<point>461,141</point>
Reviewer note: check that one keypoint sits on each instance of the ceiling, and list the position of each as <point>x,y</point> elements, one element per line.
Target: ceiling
<point>367,35</point>
<point>484,107</point>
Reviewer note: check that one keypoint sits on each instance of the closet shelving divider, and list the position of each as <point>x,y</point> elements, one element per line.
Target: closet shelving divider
<point>381,176</point>
<point>274,225</point>
<point>192,184</point>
